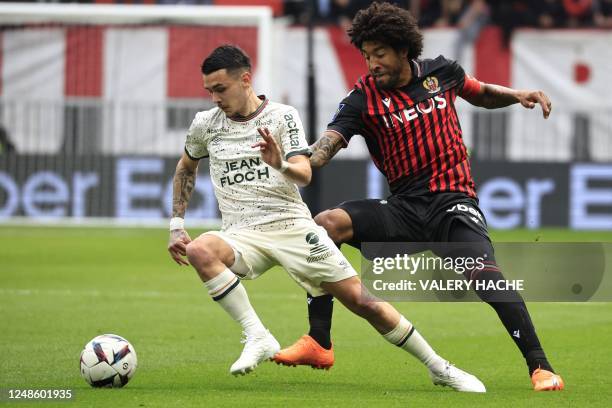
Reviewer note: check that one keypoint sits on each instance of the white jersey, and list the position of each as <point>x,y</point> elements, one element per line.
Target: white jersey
<point>250,193</point>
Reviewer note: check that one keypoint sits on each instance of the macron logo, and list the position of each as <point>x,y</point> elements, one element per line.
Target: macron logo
<point>516,334</point>
<point>387,102</point>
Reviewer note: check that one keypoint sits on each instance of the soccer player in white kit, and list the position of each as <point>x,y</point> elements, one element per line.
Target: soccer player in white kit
<point>258,156</point>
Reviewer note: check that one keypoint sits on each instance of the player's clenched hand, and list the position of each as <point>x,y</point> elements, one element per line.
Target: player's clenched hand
<point>177,245</point>
<point>270,150</point>
<point>530,99</point>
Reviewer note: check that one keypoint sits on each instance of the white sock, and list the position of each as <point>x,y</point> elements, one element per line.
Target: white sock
<point>406,337</point>
<point>228,292</point>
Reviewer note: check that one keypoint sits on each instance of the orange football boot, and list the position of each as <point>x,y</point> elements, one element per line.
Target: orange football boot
<point>306,351</point>
<point>544,380</point>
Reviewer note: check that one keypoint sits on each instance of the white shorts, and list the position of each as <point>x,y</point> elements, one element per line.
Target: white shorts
<point>306,252</point>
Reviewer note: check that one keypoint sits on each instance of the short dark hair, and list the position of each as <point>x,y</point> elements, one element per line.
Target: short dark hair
<point>228,57</point>
<point>388,24</point>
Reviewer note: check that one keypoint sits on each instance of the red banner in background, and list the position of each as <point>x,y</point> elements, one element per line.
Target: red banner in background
<point>145,83</point>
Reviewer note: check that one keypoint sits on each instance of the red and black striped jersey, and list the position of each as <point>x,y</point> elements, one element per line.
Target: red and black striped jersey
<point>413,132</point>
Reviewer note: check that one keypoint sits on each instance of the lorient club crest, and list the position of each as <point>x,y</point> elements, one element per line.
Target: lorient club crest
<point>431,84</point>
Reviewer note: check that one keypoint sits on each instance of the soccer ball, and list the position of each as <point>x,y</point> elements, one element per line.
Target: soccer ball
<point>108,361</point>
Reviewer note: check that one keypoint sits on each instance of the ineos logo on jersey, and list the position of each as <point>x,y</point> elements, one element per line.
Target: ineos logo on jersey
<point>293,130</point>
<point>407,115</point>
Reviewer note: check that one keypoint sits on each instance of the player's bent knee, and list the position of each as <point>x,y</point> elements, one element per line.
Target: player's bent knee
<point>200,255</point>
<point>337,224</point>
<point>322,219</point>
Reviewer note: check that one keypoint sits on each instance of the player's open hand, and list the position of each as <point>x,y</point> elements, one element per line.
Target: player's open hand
<point>530,99</point>
<point>270,150</point>
<point>177,245</point>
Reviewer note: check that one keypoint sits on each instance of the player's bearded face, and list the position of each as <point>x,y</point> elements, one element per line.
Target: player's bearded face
<point>227,90</point>
<point>384,63</point>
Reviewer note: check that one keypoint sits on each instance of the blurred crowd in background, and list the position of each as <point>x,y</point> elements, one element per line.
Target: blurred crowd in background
<point>509,14</point>
<point>471,15</point>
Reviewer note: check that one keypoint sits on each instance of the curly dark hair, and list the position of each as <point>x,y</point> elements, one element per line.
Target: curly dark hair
<point>388,24</point>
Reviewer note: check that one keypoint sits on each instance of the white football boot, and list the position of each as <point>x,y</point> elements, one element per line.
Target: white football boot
<point>257,348</point>
<point>457,379</point>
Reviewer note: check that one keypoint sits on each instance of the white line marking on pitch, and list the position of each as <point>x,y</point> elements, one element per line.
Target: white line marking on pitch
<point>124,294</point>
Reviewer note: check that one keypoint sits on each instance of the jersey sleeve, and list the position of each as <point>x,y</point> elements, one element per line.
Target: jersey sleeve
<point>466,84</point>
<point>471,86</point>
<point>348,119</point>
<point>196,143</point>
<point>293,137</point>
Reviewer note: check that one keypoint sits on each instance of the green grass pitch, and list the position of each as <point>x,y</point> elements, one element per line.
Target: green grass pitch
<point>60,287</point>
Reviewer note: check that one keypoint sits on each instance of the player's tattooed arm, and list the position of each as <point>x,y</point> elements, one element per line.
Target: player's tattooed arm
<point>496,96</point>
<point>325,148</point>
<point>183,184</point>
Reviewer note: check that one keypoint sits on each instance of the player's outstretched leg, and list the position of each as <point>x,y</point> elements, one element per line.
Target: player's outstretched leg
<point>210,255</point>
<point>397,330</point>
<point>517,321</point>
<point>510,307</point>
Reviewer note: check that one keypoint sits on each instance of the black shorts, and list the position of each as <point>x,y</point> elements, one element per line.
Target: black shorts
<point>414,218</point>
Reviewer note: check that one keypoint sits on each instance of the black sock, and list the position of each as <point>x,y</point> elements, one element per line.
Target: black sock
<point>513,313</point>
<point>320,311</point>
<point>516,319</point>
<point>509,305</point>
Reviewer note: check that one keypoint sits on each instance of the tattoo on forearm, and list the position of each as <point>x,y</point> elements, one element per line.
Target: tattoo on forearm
<point>496,96</point>
<point>324,149</point>
<point>184,181</point>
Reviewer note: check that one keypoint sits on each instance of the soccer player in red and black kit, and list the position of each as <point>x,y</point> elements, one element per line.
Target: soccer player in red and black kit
<point>404,108</point>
